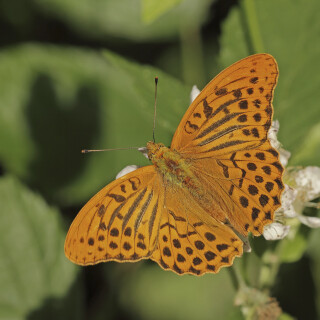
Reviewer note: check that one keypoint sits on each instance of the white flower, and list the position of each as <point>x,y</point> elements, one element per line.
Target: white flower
<point>306,184</point>
<point>284,156</point>
<point>194,93</point>
<point>272,135</point>
<point>126,170</point>
<point>305,187</point>
<point>256,304</point>
<point>311,222</point>
<point>275,231</point>
<point>308,181</point>
<point>287,199</point>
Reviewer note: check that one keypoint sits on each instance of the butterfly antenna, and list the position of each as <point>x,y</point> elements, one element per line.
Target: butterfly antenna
<point>154,126</point>
<point>155,106</point>
<point>99,150</point>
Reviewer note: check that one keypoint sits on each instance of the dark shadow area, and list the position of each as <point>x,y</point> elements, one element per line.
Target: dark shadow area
<point>93,295</point>
<point>295,290</point>
<point>1,170</point>
<point>104,283</point>
<point>69,307</point>
<point>218,12</point>
<point>59,132</point>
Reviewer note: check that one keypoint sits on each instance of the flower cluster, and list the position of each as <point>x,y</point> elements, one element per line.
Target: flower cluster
<point>302,186</point>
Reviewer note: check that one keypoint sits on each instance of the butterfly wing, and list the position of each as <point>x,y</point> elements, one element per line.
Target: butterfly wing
<point>247,185</point>
<point>190,240</point>
<point>224,134</point>
<point>119,222</point>
<point>233,112</point>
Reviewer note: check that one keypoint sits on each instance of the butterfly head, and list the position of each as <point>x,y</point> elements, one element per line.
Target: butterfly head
<point>155,150</point>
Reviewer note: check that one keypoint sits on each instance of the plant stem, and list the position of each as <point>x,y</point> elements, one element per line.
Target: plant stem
<point>253,25</point>
<point>244,269</point>
<point>269,270</point>
<point>236,277</point>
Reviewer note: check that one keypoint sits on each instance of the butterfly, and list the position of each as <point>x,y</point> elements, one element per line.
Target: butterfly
<point>220,180</point>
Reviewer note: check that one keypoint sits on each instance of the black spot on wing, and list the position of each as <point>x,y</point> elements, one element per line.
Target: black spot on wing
<point>221,91</point>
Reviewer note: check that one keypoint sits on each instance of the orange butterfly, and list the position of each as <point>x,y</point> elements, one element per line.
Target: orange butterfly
<point>220,177</point>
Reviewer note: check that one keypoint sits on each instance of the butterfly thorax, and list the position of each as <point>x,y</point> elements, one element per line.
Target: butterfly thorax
<point>171,165</point>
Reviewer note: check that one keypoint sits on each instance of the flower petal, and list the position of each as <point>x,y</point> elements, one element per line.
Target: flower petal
<point>194,93</point>
<point>311,222</point>
<point>126,170</point>
<point>275,231</point>
<point>287,198</point>
<point>308,183</point>
<point>284,156</point>
<point>272,134</point>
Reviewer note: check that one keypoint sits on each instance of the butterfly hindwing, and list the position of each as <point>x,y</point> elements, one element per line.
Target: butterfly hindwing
<point>190,241</point>
<point>119,222</point>
<point>248,184</point>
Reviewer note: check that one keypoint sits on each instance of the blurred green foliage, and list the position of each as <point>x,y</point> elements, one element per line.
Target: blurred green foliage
<point>80,74</point>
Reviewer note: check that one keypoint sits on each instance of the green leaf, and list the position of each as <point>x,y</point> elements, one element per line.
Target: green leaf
<point>123,19</point>
<point>152,9</point>
<point>310,150</point>
<point>65,100</point>
<point>314,253</point>
<point>292,249</point>
<point>34,271</point>
<point>288,31</point>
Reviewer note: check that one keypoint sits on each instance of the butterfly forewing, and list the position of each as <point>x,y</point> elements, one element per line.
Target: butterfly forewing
<point>118,223</point>
<point>233,112</point>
